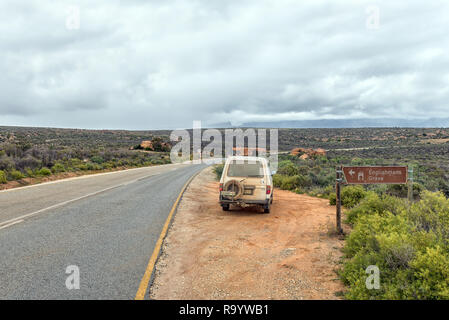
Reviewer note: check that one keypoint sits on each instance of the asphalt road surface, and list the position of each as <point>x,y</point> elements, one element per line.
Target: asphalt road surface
<point>106,225</point>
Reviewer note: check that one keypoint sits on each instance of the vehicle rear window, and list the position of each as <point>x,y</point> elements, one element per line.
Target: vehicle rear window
<point>249,169</point>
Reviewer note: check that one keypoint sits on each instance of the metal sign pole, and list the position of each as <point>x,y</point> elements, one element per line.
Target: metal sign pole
<point>338,198</point>
<point>410,185</point>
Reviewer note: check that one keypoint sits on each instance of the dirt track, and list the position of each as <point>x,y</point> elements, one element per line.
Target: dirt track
<point>242,254</point>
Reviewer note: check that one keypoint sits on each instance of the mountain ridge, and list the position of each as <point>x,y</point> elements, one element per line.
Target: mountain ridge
<point>341,123</point>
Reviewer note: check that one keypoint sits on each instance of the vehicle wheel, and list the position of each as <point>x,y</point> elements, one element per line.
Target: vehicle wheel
<point>225,208</point>
<point>234,186</point>
<point>266,209</point>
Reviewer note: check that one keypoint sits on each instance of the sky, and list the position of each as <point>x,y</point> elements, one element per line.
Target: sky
<point>162,64</point>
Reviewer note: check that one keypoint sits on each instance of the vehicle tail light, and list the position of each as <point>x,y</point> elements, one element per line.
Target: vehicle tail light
<point>221,186</point>
<point>268,189</point>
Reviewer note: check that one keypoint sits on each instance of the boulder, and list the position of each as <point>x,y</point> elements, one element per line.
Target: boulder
<point>146,144</point>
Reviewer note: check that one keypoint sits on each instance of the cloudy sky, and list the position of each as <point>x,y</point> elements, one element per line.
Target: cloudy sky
<point>162,64</point>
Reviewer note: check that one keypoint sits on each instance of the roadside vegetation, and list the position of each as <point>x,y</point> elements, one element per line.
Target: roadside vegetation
<point>409,243</point>
<point>218,170</point>
<point>316,175</point>
<point>38,153</point>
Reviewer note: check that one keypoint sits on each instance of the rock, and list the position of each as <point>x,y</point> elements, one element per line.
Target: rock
<point>305,153</point>
<point>146,144</point>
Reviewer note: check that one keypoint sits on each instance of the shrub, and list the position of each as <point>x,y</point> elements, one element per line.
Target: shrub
<point>93,166</point>
<point>16,175</point>
<point>352,195</point>
<point>157,161</point>
<point>44,172</point>
<point>364,235</point>
<point>29,172</point>
<point>304,170</point>
<point>327,191</point>
<point>3,177</point>
<point>324,180</point>
<point>277,180</point>
<point>409,244</point>
<point>432,214</point>
<point>383,241</point>
<point>320,192</point>
<point>28,162</point>
<point>372,203</point>
<point>58,167</point>
<point>287,168</point>
<point>401,190</point>
<point>6,163</point>
<point>218,170</point>
<point>430,275</point>
<point>110,165</point>
<point>291,182</point>
<point>333,199</point>
<point>97,159</point>
<point>82,166</point>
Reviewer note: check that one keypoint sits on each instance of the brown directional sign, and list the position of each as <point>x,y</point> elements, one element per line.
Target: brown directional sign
<point>376,175</point>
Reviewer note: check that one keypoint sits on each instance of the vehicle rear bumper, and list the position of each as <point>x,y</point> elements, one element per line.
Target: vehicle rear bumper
<point>224,201</point>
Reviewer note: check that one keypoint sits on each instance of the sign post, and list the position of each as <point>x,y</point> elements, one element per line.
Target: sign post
<point>410,185</point>
<point>339,181</point>
<point>371,175</point>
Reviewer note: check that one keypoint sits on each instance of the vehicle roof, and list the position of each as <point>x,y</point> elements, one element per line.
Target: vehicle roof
<point>232,158</point>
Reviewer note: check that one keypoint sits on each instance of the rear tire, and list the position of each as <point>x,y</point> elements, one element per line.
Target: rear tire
<point>225,207</point>
<point>266,209</point>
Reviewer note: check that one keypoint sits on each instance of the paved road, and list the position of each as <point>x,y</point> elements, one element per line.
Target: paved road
<point>108,231</point>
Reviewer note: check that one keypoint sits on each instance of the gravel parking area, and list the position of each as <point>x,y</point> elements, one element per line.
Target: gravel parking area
<point>243,254</point>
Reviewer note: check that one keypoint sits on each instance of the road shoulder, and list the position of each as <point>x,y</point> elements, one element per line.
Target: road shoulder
<point>242,254</point>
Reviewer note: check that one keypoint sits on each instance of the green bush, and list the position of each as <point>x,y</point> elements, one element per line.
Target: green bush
<point>44,172</point>
<point>277,180</point>
<point>287,168</point>
<point>409,245</point>
<point>291,182</point>
<point>430,274</point>
<point>82,166</point>
<point>333,199</point>
<point>431,213</point>
<point>58,167</point>
<point>352,195</point>
<point>304,170</point>
<point>3,177</point>
<point>74,162</point>
<point>29,172</point>
<point>401,190</point>
<point>110,165</point>
<point>218,170</point>
<point>16,175</point>
<point>97,159</point>
<point>372,203</point>
<point>93,166</point>
<point>328,190</point>
<point>157,161</point>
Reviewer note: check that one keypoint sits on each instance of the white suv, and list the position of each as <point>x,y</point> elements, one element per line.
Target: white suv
<point>246,181</point>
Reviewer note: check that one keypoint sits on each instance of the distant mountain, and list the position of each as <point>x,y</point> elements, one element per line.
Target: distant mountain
<point>227,124</point>
<point>343,123</point>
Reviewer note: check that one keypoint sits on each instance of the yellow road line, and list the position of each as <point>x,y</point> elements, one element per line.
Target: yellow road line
<point>150,267</point>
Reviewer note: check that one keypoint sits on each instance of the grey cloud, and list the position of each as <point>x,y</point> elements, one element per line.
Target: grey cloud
<point>137,64</point>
